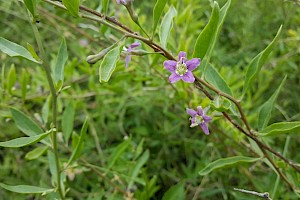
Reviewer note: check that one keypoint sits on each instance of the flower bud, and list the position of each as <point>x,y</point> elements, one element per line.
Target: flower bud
<point>92,59</point>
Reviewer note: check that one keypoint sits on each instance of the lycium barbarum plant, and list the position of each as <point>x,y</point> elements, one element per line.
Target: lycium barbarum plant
<point>122,171</point>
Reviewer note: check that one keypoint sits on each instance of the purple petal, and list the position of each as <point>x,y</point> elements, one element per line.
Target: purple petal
<point>204,127</point>
<point>127,60</point>
<point>188,77</point>
<point>170,65</point>
<point>135,44</point>
<point>191,112</point>
<point>174,78</point>
<point>132,46</point>
<point>192,64</point>
<point>182,54</point>
<point>207,118</point>
<point>200,111</point>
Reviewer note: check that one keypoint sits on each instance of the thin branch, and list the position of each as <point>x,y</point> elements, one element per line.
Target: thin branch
<point>264,195</point>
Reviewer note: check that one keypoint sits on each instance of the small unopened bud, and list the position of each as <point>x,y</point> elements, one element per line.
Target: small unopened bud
<point>92,59</point>
<point>132,13</point>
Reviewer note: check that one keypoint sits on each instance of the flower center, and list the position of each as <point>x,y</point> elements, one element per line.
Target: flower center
<point>199,119</point>
<point>181,68</point>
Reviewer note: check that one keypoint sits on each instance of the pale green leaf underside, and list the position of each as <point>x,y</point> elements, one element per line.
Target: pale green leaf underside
<point>25,189</point>
<point>226,162</point>
<point>281,128</point>
<point>24,141</point>
<point>13,49</point>
<point>166,26</point>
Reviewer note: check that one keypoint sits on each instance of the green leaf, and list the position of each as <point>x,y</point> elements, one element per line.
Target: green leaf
<point>68,120</point>
<point>72,6</point>
<point>11,78</point>
<point>118,151</point>
<point>108,64</point>
<point>61,59</point>
<point>25,124</point>
<point>36,153</point>
<point>280,128</point>
<point>226,162</point>
<point>77,151</point>
<point>31,6</point>
<point>176,192</point>
<point>166,26</point>
<point>32,51</point>
<point>138,165</point>
<point>25,189</point>
<point>207,35</point>
<point>105,4</point>
<point>24,141</point>
<point>13,49</point>
<point>265,110</point>
<point>214,78</point>
<point>157,11</point>
<point>257,62</point>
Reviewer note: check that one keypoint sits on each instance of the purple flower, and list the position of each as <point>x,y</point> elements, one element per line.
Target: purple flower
<point>124,2</point>
<point>199,117</point>
<point>128,55</point>
<point>182,69</point>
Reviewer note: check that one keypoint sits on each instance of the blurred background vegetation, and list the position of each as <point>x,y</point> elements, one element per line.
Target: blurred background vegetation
<point>139,111</point>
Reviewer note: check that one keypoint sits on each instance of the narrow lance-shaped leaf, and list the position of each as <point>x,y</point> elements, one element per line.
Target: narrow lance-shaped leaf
<point>31,6</point>
<point>226,162</point>
<point>36,153</point>
<point>24,141</point>
<point>257,62</point>
<point>72,6</point>
<point>118,151</point>
<point>68,120</point>
<point>25,124</point>
<point>265,110</point>
<point>214,78</point>
<point>176,192</point>
<point>13,49</point>
<point>206,36</point>
<point>108,64</point>
<point>139,164</point>
<point>77,151</point>
<point>280,128</point>
<point>26,189</point>
<point>61,59</point>
<point>166,26</point>
<point>105,4</point>
<point>32,51</point>
<point>216,32</point>
<point>157,11</point>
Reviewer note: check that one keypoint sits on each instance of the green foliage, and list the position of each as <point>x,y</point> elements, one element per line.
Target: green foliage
<point>25,189</point>
<point>206,36</point>
<point>265,110</point>
<point>61,59</point>
<point>226,162</point>
<point>109,63</point>
<point>138,140</point>
<point>213,77</point>
<point>23,141</point>
<point>280,128</point>
<point>13,49</point>
<point>157,12</point>
<point>72,6</point>
<point>166,26</point>
<point>175,192</point>
<point>257,62</point>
